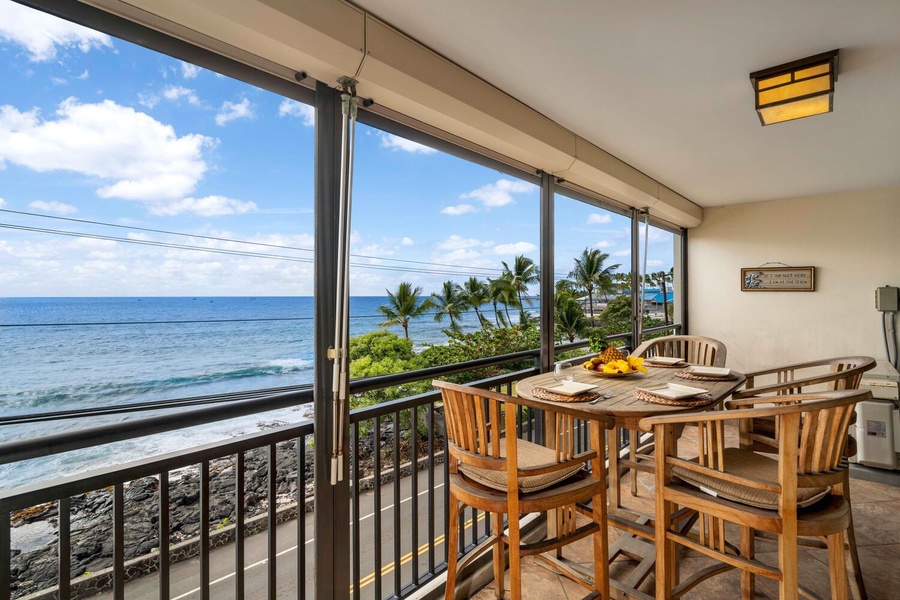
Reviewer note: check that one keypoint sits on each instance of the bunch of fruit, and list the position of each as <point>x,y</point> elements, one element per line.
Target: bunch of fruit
<point>625,365</point>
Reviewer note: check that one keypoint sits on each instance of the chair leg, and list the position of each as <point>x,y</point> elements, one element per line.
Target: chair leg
<point>748,579</point>
<point>859,587</point>
<point>837,567</point>
<point>789,586</point>
<point>515,557</point>
<point>499,556</point>
<point>601,548</point>
<point>451,544</point>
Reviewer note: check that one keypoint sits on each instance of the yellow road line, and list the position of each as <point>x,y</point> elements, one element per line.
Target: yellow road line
<point>387,569</point>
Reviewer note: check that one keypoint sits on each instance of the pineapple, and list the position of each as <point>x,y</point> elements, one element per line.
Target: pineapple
<point>611,353</point>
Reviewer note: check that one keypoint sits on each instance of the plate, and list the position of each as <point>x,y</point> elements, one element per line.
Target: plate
<point>569,388</point>
<point>602,374</point>
<point>664,360</point>
<point>708,371</point>
<point>674,391</point>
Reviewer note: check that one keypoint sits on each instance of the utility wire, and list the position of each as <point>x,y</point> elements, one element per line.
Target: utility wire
<point>225,251</point>
<point>230,240</point>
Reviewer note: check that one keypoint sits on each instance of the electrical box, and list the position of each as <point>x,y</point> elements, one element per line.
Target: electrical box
<point>877,428</point>
<point>887,299</point>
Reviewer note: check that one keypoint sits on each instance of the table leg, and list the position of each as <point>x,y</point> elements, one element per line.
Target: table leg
<point>615,501</point>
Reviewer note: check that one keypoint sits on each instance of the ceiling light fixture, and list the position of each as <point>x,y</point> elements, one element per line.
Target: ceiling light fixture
<point>798,89</point>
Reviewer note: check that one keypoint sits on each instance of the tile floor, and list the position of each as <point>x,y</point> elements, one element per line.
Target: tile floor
<point>876,514</point>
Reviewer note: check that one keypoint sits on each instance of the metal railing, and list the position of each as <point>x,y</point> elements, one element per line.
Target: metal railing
<point>397,449</point>
<point>206,462</point>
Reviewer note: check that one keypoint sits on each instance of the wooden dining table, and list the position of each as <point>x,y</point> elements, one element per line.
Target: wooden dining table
<point>619,401</point>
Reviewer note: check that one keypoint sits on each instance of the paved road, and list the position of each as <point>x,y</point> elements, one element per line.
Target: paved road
<point>185,579</point>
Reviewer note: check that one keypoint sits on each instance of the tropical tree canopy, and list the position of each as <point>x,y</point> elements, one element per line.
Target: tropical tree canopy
<point>522,274</point>
<point>590,274</point>
<point>403,305</point>
<point>476,293</point>
<point>450,302</point>
<point>569,316</point>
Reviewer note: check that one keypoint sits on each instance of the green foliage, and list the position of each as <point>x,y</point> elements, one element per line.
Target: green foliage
<point>403,305</point>
<point>383,353</point>
<point>569,317</point>
<point>590,275</point>
<point>484,343</point>
<point>522,274</point>
<point>450,302</point>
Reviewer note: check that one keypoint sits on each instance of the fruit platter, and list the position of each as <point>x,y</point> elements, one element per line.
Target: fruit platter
<point>612,363</point>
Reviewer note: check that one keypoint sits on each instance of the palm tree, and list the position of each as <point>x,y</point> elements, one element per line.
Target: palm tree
<point>621,283</point>
<point>660,278</point>
<point>523,274</point>
<point>569,315</point>
<point>475,294</point>
<point>403,306</point>
<point>497,292</point>
<point>590,274</point>
<point>449,303</point>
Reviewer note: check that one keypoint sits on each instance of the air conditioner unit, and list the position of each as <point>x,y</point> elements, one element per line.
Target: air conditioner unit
<point>877,428</point>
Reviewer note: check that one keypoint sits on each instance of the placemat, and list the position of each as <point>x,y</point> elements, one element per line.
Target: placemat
<point>686,375</point>
<point>544,394</point>
<point>649,363</point>
<point>654,399</point>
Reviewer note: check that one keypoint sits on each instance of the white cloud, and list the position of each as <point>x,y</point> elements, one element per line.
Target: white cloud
<point>459,209</point>
<point>53,206</point>
<point>395,142</point>
<point>234,110</point>
<point>139,157</point>
<point>516,248</point>
<point>148,100</point>
<point>498,194</point>
<point>304,112</point>
<point>654,263</point>
<point>177,92</point>
<point>598,219</point>
<point>604,244</point>
<point>58,81</point>
<point>622,253</point>
<point>189,71</point>
<point>84,75</point>
<point>209,206</point>
<point>42,35</point>
<point>2,202</point>
<point>407,241</point>
<point>457,242</point>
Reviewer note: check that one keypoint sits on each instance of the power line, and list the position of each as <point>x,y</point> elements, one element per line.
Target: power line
<point>244,253</point>
<point>492,270</point>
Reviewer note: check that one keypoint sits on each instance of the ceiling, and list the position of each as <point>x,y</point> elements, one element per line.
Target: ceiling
<point>664,85</point>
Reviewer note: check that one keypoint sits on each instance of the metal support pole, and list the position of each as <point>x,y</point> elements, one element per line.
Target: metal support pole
<point>637,311</point>
<point>683,280</point>
<point>547,269</point>
<point>332,522</point>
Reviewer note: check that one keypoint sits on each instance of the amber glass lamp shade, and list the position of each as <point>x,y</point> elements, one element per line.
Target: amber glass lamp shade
<point>795,90</point>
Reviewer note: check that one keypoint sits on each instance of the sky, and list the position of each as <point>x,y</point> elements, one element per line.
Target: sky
<point>97,129</point>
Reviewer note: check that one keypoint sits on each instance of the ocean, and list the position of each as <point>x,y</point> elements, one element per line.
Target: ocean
<point>90,352</point>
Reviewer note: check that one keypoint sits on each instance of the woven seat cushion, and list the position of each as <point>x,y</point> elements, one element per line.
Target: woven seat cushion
<point>530,455</point>
<point>745,463</point>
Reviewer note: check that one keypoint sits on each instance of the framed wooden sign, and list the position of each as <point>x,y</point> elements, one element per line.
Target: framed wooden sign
<point>778,279</point>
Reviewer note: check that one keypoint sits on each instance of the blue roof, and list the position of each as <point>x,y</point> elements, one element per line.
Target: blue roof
<point>658,298</point>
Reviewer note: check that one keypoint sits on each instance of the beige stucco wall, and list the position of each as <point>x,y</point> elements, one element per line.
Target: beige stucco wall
<point>853,240</point>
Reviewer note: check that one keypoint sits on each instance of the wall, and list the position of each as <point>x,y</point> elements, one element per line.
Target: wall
<point>852,240</point>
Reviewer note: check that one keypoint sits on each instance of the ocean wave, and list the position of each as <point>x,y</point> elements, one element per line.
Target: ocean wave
<point>131,390</point>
